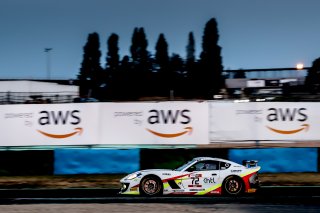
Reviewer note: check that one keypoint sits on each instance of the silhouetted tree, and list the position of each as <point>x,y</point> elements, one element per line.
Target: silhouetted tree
<point>211,61</point>
<point>139,46</point>
<point>312,81</point>
<point>141,61</point>
<point>162,76</point>
<point>177,75</point>
<point>191,49</point>
<point>191,78</point>
<point>125,82</point>
<point>113,73</point>
<point>113,52</point>
<point>161,56</point>
<point>144,75</point>
<point>90,72</point>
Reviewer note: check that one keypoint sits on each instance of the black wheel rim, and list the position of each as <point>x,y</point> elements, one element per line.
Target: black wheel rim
<point>233,186</point>
<point>150,187</point>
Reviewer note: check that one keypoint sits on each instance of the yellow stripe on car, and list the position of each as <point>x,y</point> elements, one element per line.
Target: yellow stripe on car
<point>178,181</point>
<point>209,189</point>
<point>131,193</point>
<point>165,185</point>
<point>250,172</point>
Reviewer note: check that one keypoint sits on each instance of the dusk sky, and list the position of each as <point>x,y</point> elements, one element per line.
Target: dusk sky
<point>253,33</point>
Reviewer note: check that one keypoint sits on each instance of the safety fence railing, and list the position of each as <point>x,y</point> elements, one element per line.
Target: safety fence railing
<point>37,97</point>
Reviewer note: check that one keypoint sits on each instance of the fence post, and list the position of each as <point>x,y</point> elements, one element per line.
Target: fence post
<point>8,97</point>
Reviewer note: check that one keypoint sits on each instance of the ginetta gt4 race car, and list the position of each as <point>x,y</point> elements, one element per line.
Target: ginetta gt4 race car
<point>200,176</point>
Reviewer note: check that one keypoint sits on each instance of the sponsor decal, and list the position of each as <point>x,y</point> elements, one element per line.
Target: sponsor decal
<point>236,170</point>
<point>169,117</point>
<point>196,190</point>
<point>25,117</point>
<point>166,174</point>
<point>248,112</point>
<point>57,118</point>
<point>172,135</point>
<point>127,114</point>
<point>191,186</point>
<point>60,136</point>
<point>54,118</point>
<point>208,180</point>
<point>293,131</point>
<point>287,115</point>
<point>195,175</point>
<point>195,180</point>
<point>215,192</point>
<point>178,190</point>
<point>183,193</point>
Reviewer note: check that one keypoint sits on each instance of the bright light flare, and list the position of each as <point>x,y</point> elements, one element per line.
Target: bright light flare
<point>299,66</point>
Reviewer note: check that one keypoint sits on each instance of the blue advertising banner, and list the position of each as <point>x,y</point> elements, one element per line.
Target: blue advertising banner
<point>278,160</point>
<point>96,161</point>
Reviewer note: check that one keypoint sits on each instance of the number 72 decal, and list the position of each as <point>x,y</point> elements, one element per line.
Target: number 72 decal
<point>195,182</point>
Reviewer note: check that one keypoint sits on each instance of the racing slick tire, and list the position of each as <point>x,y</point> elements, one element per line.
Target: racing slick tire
<point>233,186</point>
<point>151,186</point>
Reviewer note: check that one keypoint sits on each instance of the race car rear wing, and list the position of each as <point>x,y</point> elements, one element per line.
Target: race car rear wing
<point>250,163</point>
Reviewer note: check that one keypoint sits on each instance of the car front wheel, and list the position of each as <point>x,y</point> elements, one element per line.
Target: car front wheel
<point>151,186</point>
<point>233,186</point>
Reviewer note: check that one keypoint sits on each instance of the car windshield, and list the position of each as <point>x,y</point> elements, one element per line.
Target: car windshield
<point>184,166</point>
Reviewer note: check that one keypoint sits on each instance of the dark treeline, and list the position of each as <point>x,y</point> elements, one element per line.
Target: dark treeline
<point>143,75</point>
<point>312,81</point>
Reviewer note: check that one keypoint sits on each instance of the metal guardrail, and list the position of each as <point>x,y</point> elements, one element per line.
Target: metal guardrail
<point>37,97</point>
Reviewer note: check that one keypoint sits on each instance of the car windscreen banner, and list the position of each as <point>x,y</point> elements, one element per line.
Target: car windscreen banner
<point>273,121</point>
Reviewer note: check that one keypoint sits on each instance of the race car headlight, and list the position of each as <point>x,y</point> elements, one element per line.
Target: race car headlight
<point>133,176</point>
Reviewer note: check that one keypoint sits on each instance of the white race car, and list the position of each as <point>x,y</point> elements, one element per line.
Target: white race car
<point>200,176</point>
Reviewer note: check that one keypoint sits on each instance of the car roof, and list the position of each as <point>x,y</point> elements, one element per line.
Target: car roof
<point>210,158</point>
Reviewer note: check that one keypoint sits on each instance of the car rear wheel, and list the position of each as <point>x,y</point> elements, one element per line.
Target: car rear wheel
<point>233,186</point>
<point>151,186</point>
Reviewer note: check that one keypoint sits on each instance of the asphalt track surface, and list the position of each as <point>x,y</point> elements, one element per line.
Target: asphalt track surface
<point>272,194</point>
<point>267,199</point>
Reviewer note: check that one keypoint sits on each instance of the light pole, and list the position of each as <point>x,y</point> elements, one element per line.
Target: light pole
<point>47,51</point>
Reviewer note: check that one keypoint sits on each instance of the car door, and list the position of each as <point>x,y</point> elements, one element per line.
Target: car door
<point>224,170</point>
<point>203,175</point>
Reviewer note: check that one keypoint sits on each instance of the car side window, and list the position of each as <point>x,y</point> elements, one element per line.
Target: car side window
<point>206,166</point>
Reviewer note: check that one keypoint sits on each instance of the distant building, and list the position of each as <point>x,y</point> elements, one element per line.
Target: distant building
<point>241,83</point>
<point>26,91</point>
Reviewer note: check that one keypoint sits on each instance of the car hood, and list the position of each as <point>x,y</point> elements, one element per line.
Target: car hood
<point>156,170</point>
<point>148,171</point>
